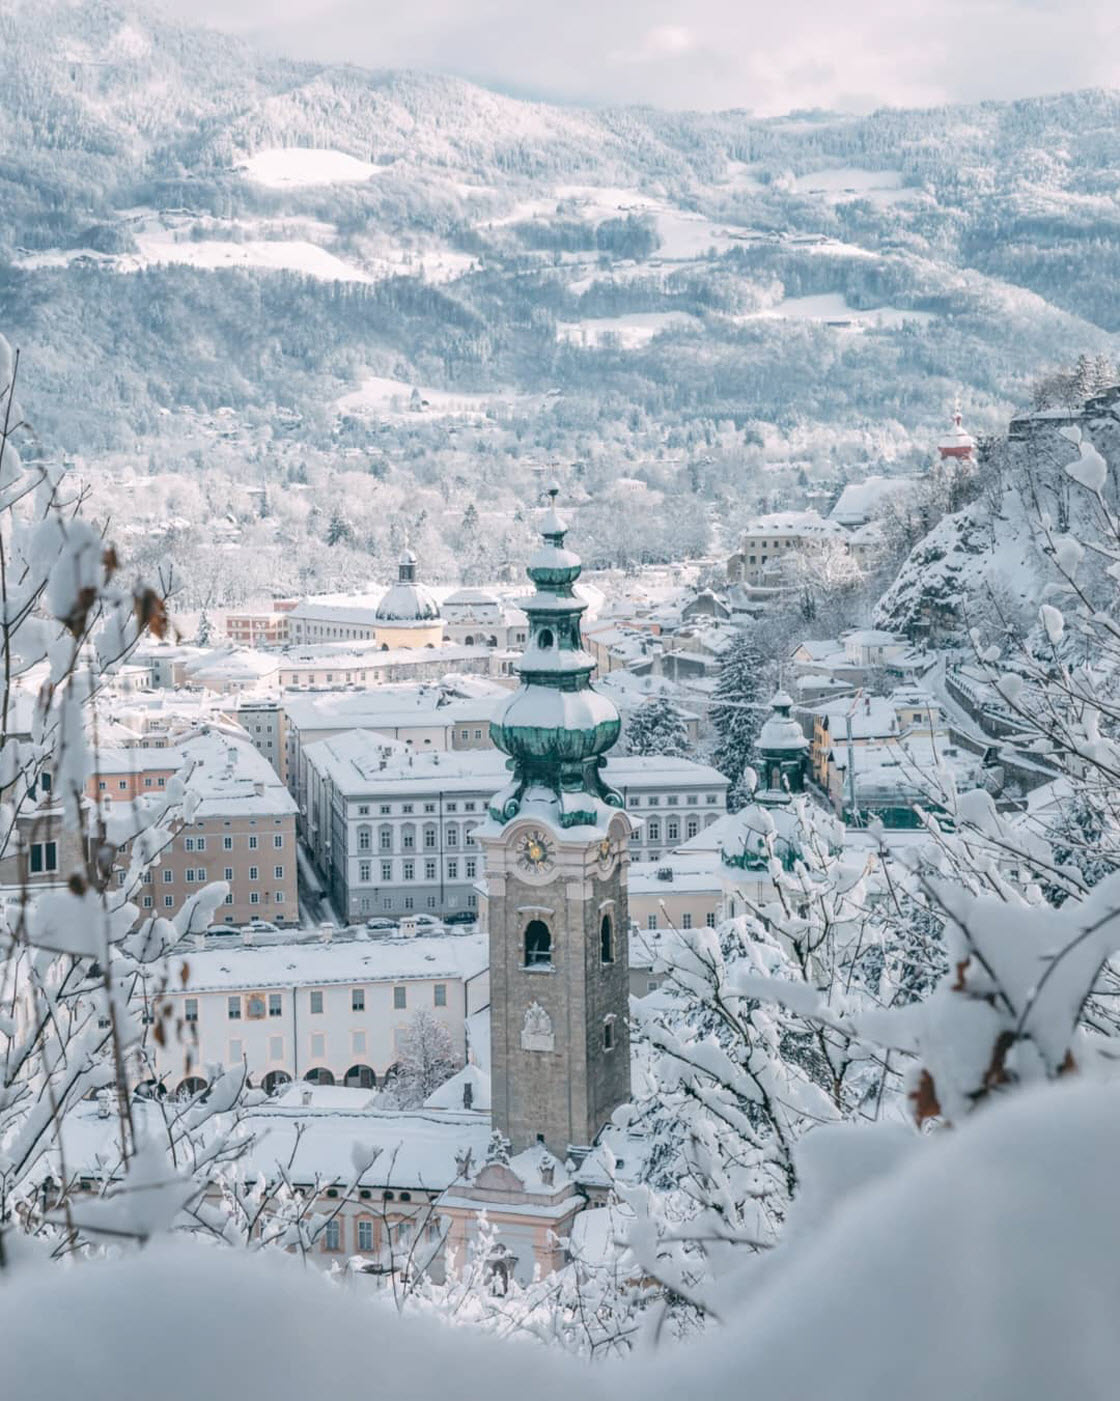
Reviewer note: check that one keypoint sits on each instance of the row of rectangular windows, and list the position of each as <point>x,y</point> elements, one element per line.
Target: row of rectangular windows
<point>686,920</point>
<point>651,832</point>
<point>197,875</point>
<point>691,800</point>
<point>408,870</point>
<point>169,901</point>
<point>199,843</point>
<point>386,809</point>
<point>367,905</point>
<point>401,1232</point>
<point>255,1005</point>
<point>317,1041</point>
<point>430,838</point>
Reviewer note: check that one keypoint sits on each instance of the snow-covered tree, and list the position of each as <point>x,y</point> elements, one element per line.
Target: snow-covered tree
<point>739,706</point>
<point>749,1044</point>
<point>82,968</point>
<point>826,578</point>
<point>426,1059</point>
<point>657,727</point>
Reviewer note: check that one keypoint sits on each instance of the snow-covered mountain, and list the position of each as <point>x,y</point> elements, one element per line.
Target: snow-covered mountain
<point>711,305</point>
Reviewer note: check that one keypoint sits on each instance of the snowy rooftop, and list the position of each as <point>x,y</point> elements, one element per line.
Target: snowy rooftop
<point>859,501</point>
<point>414,1149</point>
<point>353,762</point>
<point>862,717</point>
<point>233,664</point>
<point>914,766</point>
<point>450,1095</point>
<point>392,706</point>
<point>712,838</point>
<point>452,957</point>
<point>676,874</point>
<point>804,523</point>
<point>231,778</point>
<point>356,609</point>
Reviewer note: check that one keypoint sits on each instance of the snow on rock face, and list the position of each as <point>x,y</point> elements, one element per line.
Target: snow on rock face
<point>1001,545</point>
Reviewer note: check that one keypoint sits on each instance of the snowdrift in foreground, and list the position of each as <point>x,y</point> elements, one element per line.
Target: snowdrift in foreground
<point>985,1265</point>
<point>181,1321</point>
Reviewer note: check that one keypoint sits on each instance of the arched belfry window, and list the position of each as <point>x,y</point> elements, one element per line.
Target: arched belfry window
<point>606,940</point>
<point>545,638</point>
<point>538,944</point>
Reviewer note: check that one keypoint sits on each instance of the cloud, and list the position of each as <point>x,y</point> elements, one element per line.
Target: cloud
<point>720,53</point>
<point>669,39</point>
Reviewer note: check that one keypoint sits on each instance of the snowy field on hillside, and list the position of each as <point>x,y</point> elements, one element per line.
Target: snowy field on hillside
<point>684,234</point>
<point>391,397</point>
<point>292,244</point>
<point>832,308</point>
<point>303,167</point>
<point>287,255</point>
<point>635,329</point>
<point>844,183</point>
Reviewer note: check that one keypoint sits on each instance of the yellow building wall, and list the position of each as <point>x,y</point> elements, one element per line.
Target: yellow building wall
<point>425,635</point>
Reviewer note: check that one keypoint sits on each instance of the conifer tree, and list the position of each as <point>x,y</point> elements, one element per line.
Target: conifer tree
<point>657,727</point>
<point>739,709</point>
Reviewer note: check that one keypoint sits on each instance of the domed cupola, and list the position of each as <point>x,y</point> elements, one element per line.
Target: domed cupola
<point>408,615</point>
<point>782,749</point>
<point>556,727</point>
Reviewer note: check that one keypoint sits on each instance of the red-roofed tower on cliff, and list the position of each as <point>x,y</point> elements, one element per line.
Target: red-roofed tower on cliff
<point>957,443</point>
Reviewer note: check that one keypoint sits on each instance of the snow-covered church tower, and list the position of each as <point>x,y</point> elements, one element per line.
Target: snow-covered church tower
<point>556,843</point>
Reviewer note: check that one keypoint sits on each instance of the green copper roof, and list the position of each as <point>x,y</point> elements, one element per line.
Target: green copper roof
<point>556,727</point>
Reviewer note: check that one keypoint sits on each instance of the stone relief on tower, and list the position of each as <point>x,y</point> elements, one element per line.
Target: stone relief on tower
<point>536,1030</point>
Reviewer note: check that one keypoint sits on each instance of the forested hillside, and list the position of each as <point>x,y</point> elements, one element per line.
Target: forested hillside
<point>718,307</point>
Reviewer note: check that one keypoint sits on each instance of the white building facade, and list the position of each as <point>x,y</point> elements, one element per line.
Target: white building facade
<point>331,1013</point>
<point>392,832</point>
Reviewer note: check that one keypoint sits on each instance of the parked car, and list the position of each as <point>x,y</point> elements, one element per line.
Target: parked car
<point>462,917</point>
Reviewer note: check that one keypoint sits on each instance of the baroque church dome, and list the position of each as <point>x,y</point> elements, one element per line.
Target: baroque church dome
<point>406,603</point>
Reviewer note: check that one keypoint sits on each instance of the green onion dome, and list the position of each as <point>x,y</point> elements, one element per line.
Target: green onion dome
<point>555,727</point>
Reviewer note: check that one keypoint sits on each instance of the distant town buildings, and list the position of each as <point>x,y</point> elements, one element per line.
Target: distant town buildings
<point>242,832</point>
<point>768,541</point>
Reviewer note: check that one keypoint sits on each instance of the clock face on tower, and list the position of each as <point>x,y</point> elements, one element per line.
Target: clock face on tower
<point>534,852</point>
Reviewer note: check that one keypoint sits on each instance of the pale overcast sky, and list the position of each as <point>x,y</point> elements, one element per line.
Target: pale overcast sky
<point>758,54</point>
